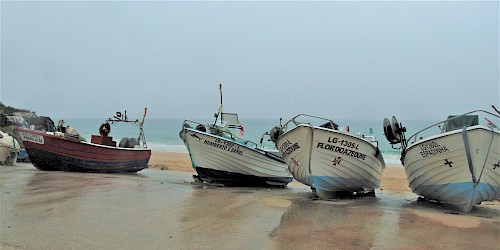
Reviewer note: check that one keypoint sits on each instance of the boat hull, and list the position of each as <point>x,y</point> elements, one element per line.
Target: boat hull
<point>331,161</point>
<point>55,153</point>
<point>438,167</point>
<point>221,160</point>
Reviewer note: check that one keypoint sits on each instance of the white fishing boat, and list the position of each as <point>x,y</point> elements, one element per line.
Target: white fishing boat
<point>219,154</point>
<point>458,163</point>
<point>332,162</point>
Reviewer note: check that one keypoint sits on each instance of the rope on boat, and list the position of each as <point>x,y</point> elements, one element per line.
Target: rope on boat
<point>313,185</point>
<point>486,157</point>
<point>311,147</point>
<point>467,152</point>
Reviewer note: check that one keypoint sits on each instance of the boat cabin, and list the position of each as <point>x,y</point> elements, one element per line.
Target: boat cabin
<point>103,140</point>
<point>460,122</point>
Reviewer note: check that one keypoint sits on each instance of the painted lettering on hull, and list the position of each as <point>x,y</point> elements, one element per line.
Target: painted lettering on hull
<point>344,143</point>
<point>341,150</point>
<point>31,137</point>
<point>431,149</point>
<point>288,147</point>
<point>336,161</point>
<point>224,145</point>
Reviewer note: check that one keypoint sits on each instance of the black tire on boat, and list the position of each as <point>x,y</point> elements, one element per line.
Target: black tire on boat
<point>126,142</point>
<point>201,128</point>
<point>123,142</point>
<point>132,142</point>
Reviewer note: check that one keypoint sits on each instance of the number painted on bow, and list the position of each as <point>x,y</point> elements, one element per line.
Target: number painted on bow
<point>337,160</point>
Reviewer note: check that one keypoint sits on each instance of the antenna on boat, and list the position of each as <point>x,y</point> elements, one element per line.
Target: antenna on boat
<point>493,106</point>
<point>220,107</point>
<point>491,124</point>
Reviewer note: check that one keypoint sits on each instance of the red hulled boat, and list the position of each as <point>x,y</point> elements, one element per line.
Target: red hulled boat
<point>64,151</point>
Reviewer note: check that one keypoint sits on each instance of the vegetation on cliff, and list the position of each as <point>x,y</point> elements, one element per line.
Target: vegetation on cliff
<point>8,110</point>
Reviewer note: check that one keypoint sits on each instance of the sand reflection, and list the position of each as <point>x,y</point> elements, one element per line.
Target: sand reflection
<point>229,218</point>
<point>308,224</point>
<point>51,187</point>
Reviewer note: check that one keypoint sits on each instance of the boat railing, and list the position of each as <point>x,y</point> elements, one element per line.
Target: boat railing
<point>414,137</point>
<point>371,139</point>
<point>262,138</point>
<point>329,124</point>
<point>218,131</point>
<point>209,128</point>
<point>123,118</point>
<point>297,123</point>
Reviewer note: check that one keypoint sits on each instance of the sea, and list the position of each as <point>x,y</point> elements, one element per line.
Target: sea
<point>163,134</point>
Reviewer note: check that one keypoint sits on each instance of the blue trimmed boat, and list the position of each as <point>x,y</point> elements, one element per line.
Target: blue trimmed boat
<point>460,165</point>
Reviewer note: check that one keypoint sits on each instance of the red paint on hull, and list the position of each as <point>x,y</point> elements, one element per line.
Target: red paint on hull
<point>84,151</point>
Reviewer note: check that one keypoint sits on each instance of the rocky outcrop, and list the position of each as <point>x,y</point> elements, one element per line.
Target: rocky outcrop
<point>11,117</point>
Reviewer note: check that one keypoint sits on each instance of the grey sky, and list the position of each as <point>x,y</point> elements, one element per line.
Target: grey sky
<point>274,59</point>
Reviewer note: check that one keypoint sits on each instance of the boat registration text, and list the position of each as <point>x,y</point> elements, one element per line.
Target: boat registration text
<point>224,145</point>
<point>342,147</point>
<point>431,149</point>
<point>31,137</point>
<point>287,148</point>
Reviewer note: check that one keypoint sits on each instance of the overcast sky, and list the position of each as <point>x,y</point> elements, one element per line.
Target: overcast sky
<point>365,60</point>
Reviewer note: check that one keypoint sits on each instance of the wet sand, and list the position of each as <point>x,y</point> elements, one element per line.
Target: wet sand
<point>157,209</point>
<point>394,178</point>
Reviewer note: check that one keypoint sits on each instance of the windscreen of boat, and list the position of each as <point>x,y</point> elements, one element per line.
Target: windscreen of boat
<point>230,118</point>
<point>460,122</point>
<point>232,125</point>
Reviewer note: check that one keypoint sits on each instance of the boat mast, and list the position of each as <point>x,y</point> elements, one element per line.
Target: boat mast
<point>220,107</point>
<point>220,90</point>
<point>141,134</point>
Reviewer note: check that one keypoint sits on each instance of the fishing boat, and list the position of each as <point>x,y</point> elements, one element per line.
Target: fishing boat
<point>219,154</point>
<point>63,150</point>
<point>455,161</point>
<point>334,163</point>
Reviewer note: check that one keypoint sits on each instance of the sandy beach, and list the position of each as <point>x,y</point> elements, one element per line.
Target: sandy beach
<point>165,209</point>
<point>394,177</point>
<point>394,180</point>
